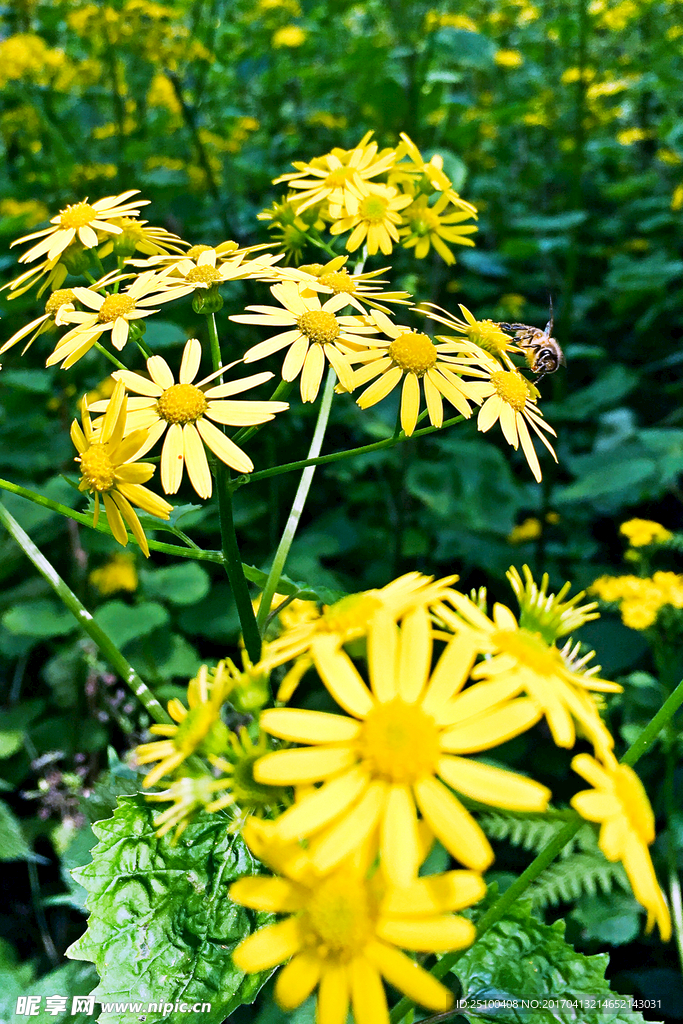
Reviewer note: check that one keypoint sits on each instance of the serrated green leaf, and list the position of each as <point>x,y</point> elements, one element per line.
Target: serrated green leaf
<point>40,619</point>
<point>184,583</point>
<point>161,923</point>
<point>125,622</point>
<point>520,958</point>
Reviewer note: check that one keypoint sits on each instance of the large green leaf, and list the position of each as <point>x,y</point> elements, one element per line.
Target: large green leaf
<point>125,622</point>
<point>520,958</point>
<point>184,583</point>
<point>161,923</point>
<point>40,619</point>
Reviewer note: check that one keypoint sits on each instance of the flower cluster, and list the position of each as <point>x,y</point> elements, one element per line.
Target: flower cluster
<point>379,198</point>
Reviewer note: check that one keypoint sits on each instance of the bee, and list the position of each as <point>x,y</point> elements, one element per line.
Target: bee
<point>542,352</point>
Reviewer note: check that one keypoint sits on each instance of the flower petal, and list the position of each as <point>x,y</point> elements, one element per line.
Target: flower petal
<point>226,450</point>
<point>408,977</point>
<point>192,357</point>
<point>274,895</point>
<point>341,678</point>
<point>296,981</point>
<point>492,785</point>
<point>196,462</point>
<point>368,999</point>
<point>433,935</point>
<point>268,947</point>
<point>399,840</point>
<point>310,764</point>
<point>452,825</point>
<point>343,838</point>
<point>415,654</point>
<point>304,726</point>
<point>323,805</point>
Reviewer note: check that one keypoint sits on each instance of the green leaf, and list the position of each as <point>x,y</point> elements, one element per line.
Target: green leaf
<point>520,958</point>
<point>161,923</point>
<point>465,47</point>
<point>10,741</point>
<point>125,622</point>
<point>613,919</point>
<point>40,619</point>
<point>67,981</point>
<point>185,583</point>
<point>161,334</point>
<point>37,382</point>
<point>13,846</point>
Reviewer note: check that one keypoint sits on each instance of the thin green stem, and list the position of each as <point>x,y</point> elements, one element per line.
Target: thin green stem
<point>232,560</point>
<point>640,746</point>
<point>103,527</point>
<point>85,620</point>
<point>322,460</point>
<point>110,356</point>
<point>299,502</point>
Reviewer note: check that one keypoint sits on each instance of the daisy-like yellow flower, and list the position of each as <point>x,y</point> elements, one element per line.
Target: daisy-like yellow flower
<point>340,177</point>
<point>483,333</point>
<point>343,931</point>
<point>54,271</point>
<point>83,221</point>
<point>619,802</point>
<point>550,615</point>
<point>430,171</point>
<point>228,250</point>
<point>523,662</point>
<point>510,399</point>
<point>112,312</point>
<point>60,302</point>
<point>375,221</point>
<point>313,334</point>
<point>198,728</point>
<point>410,356</point>
<point>208,271</point>
<point>108,470</point>
<point>186,410</point>
<point>119,573</point>
<point>399,752</point>
<point>639,532</point>
<point>361,290</point>
<point>426,225</point>
<point>140,236</point>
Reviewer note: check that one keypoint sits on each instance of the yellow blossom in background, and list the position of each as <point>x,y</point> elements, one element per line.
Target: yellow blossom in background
<point>669,156</point>
<point>27,57</point>
<point>641,532</point>
<point>105,389</point>
<point>640,598</point>
<point>313,334</point>
<point>619,802</point>
<point>162,94</point>
<point>119,573</point>
<point>409,357</point>
<point>289,36</point>
<point>31,211</point>
<point>677,198</point>
<point>530,529</point>
<point>435,20</point>
<point>630,135</point>
<point>402,748</point>
<point>110,472</point>
<point>523,662</point>
<point>343,930</point>
<point>185,410</point>
<point>508,58</point>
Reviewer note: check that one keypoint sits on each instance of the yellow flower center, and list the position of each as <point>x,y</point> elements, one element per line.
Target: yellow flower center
<point>488,336</point>
<point>200,728</point>
<point>319,326</point>
<point>58,299</point>
<point>77,216</point>
<point>511,387</point>
<point>339,281</point>
<point>629,789</point>
<point>339,917</point>
<point>425,222</point>
<point>399,742</point>
<point>197,250</point>
<point>205,275</point>
<point>115,306</point>
<point>415,353</point>
<point>373,208</point>
<point>182,403</point>
<point>97,469</point>
<point>352,614</point>
<point>131,228</point>
<point>529,649</point>
<point>338,177</point>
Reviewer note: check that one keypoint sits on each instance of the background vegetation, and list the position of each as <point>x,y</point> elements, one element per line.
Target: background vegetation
<point>562,122</point>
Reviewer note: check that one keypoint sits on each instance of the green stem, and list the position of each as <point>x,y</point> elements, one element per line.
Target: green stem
<point>641,744</point>
<point>299,502</point>
<point>322,460</point>
<point>85,620</point>
<point>232,560</point>
<point>103,527</point>
<point>110,356</point>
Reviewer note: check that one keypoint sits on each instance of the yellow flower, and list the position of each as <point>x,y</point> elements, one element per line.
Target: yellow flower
<point>426,225</point>
<point>198,729</point>
<point>429,172</point>
<point>510,399</point>
<point>118,573</point>
<point>677,197</point>
<point>619,802</point>
<point>630,135</point>
<point>162,94</point>
<point>549,615</point>
<point>400,751</point>
<point>413,357</point>
<point>375,220</point>
<point>313,333</point>
<point>208,270</point>
<point>290,36</point>
<point>108,471</point>
<point>508,58</point>
<point>483,333</point>
<point>641,532</point>
<point>340,177</point>
<point>640,598</point>
<point>111,312</point>
<point>530,529</point>
<point>82,220</point>
<point>523,662</point>
<point>360,289</point>
<point>30,210</point>
<point>139,236</point>
<point>186,409</point>
<point>343,931</point>
<point>60,302</point>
